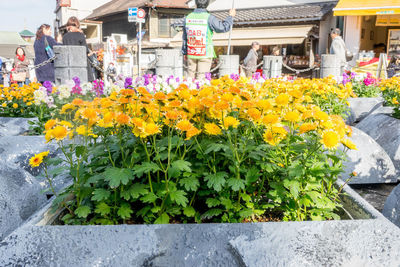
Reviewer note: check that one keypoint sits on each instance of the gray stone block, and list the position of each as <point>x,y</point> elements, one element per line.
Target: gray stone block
<point>71,61</point>
<point>20,197</point>
<point>391,209</point>
<point>22,194</point>
<point>370,161</point>
<point>14,126</point>
<point>336,243</point>
<point>362,107</point>
<point>385,130</point>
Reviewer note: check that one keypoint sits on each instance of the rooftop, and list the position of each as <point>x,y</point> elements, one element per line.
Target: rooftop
<point>118,6</point>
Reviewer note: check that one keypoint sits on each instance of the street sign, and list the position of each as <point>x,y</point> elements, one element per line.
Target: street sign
<point>132,14</point>
<point>141,13</point>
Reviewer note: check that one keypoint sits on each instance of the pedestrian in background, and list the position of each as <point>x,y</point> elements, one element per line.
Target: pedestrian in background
<point>394,66</point>
<point>43,37</point>
<point>198,30</point>
<point>250,62</point>
<point>276,51</point>
<point>75,36</point>
<point>21,71</point>
<point>338,48</point>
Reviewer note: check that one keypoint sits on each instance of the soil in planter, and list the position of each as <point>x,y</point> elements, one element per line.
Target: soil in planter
<point>375,194</point>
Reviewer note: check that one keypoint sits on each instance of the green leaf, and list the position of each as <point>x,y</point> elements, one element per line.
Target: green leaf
<point>103,209</point>
<point>82,211</point>
<point>94,179</point>
<point>56,171</point>
<point>189,211</point>
<point>211,213</point>
<point>149,198</point>
<point>236,184</point>
<point>163,219</point>
<point>145,168</point>
<point>54,161</point>
<point>125,211</point>
<point>216,181</point>
<point>138,190</point>
<point>182,165</point>
<point>179,197</point>
<point>226,202</point>
<point>79,151</point>
<point>293,186</point>
<point>252,175</point>
<point>190,183</point>
<point>100,194</point>
<point>212,202</point>
<point>246,213</point>
<point>116,176</point>
<point>215,148</point>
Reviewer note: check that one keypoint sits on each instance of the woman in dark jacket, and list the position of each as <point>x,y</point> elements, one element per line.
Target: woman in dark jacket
<point>45,73</point>
<point>74,36</point>
<point>21,65</point>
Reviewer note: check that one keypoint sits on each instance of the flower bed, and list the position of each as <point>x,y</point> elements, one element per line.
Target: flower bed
<point>232,151</point>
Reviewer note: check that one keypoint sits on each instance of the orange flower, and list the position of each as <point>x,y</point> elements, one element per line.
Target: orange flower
<point>254,114</point>
<point>270,119</point>
<point>230,121</point>
<point>50,124</point>
<point>123,119</point>
<point>184,125</point>
<point>192,132</point>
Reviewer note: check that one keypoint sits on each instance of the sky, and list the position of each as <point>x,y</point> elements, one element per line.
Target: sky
<point>17,15</point>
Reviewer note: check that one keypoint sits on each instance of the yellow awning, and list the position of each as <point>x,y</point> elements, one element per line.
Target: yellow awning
<point>367,7</point>
<point>264,36</point>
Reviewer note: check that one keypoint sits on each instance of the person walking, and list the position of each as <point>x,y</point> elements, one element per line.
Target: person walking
<point>199,28</point>
<point>21,71</point>
<point>43,38</point>
<point>75,36</point>
<point>338,48</point>
<point>250,62</point>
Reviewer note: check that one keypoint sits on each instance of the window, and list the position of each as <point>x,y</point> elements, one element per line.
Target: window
<point>164,25</point>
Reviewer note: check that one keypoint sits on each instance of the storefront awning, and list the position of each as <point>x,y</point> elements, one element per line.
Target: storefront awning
<point>265,36</point>
<point>367,7</point>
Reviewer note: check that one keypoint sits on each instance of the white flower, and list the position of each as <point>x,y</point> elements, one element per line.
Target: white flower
<point>65,91</point>
<point>39,96</point>
<point>86,87</point>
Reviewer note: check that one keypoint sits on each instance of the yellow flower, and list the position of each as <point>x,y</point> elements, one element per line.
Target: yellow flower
<point>349,144</point>
<point>292,116</point>
<point>282,99</point>
<point>4,105</point>
<point>50,124</point>
<point>59,133</point>
<point>212,129</point>
<point>35,161</point>
<point>270,119</point>
<point>330,139</point>
<point>151,128</point>
<point>230,121</point>
<point>307,127</point>
<point>15,105</point>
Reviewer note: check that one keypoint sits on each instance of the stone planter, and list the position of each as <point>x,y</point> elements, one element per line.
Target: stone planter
<point>370,240</point>
<point>362,107</point>
<point>14,126</point>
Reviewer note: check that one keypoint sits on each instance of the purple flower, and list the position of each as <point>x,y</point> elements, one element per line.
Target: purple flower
<point>256,76</point>
<point>208,76</point>
<point>77,88</point>
<point>353,75</point>
<point>128,82</point>
<point>346,78</point>
<point>235,77</point>
<point>98,87</point>
<point>49,87</point>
